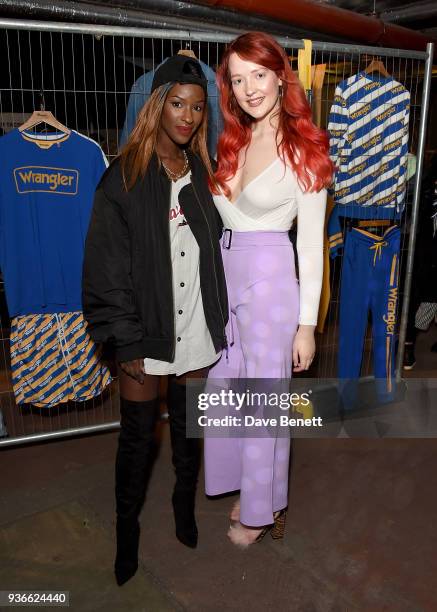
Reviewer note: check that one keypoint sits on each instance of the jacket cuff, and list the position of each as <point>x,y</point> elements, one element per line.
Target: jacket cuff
<point>130,352</point>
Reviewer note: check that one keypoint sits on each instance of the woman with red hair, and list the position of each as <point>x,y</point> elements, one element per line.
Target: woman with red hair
<point>273,166</point>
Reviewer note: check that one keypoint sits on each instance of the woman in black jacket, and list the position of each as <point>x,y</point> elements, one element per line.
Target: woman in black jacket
<point>154,288</point>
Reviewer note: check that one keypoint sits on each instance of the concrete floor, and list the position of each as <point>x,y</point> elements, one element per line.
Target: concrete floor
<point>361,531</point>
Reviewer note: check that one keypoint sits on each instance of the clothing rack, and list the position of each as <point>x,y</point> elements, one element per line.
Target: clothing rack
<point>86,73</point>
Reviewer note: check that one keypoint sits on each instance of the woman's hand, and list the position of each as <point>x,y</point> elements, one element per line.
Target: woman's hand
<point>134,368</point>
<point>304,348</point>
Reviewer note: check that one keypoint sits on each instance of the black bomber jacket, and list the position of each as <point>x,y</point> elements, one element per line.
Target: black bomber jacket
<point>127,274</point>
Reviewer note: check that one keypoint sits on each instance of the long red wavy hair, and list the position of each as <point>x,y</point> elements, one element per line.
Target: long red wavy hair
<point>304,145</point>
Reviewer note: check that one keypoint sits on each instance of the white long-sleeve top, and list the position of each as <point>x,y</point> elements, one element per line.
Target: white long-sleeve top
<point>271,202</point>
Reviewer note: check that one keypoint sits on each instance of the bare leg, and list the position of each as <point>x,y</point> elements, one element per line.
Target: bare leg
<point>131,390</point>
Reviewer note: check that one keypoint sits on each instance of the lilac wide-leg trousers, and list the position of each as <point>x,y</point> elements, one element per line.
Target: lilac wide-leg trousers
<point>264,309</point>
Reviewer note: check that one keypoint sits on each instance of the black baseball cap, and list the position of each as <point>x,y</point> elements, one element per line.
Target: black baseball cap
<point>179,69</point>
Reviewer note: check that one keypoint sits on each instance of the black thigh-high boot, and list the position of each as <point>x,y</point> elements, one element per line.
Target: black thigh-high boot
<point>135,455</point>
<point>186,461</point>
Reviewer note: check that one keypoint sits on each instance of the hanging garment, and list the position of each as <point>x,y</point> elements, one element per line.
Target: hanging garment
<point>368,126</point>
<point>46,194</point>
<point>369,282</point>
<point>140,93</point>
<point>54,360</point>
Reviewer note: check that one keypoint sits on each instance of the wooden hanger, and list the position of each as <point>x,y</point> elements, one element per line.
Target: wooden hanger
<point>381,224</point>
<point>375,223</point>
<point>376,66</point>
<point>188,53</point>
<point>43,116</point>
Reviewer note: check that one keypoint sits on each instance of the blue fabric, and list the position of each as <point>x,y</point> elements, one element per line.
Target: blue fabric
<point>368,127</point>
<point>140,93</point>
<point>369,283</point>
<point>335,226</point>
<point>46,197</point>
<point>54,360</point>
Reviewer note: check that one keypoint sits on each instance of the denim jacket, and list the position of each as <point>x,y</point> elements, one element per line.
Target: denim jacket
<point>140,93</point>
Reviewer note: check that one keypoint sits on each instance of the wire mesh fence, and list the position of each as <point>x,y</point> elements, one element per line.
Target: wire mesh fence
<point>339,67</point>
<point>86,76</point>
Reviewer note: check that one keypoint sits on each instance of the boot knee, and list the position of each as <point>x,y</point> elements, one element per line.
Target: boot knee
<point>138,419</point>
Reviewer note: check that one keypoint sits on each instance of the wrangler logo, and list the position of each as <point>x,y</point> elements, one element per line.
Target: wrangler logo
<point>386,114</point>
<point>340,101</point>
<point>372,142</point>
<point>390,317</point>
<point>384,201</point>
<point>380,170</point>
<point>48,180</point>
<point>372,85</point>
<point>393,145</point>
<point>342,192</point>
<point>362,111</point>
<point>365,199</point>
<point>357,169</point>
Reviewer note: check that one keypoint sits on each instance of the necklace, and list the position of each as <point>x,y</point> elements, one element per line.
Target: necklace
<point>174,176</point>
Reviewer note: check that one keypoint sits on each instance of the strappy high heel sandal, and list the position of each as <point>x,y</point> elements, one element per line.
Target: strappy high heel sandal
<point>238,534</point>
<point>277,530</point>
